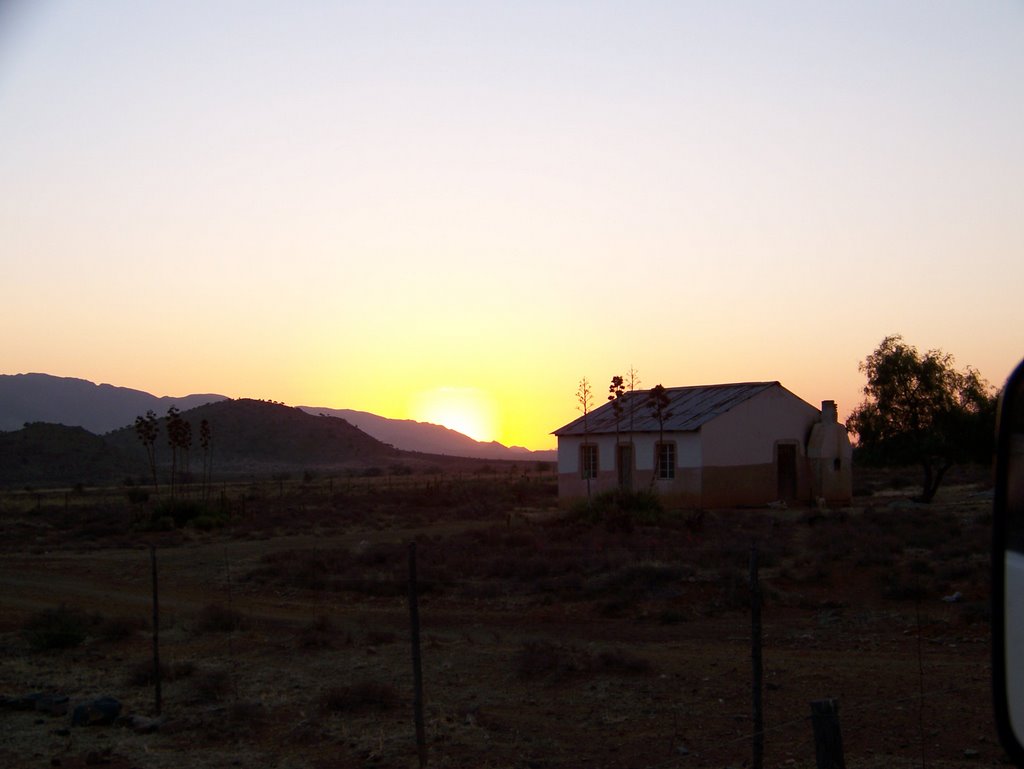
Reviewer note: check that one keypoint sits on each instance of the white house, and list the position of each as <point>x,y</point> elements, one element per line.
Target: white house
<point>719,446</point>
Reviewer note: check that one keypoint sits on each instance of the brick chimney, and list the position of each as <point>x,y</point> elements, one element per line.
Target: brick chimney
<point>829,413</point>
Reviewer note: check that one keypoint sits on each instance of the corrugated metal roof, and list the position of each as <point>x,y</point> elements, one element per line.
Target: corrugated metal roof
<point>690,408</point>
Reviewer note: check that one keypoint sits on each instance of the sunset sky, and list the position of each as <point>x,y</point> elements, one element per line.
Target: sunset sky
<point>452,212</point>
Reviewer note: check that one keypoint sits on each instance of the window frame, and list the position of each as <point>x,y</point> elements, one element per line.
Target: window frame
<point>588,451</point>
<point>665,471</point>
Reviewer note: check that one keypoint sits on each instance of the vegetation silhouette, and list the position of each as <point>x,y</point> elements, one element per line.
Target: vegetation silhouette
<point>585,399</point>
<point>147,429</point>
<point>920,409</point>
<point>658,402</point>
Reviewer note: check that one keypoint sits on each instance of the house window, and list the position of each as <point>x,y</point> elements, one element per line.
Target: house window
<point>588,461</point>
<point>665,454</point>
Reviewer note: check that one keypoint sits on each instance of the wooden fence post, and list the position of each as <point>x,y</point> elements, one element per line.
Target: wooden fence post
<point>417,671</point>
<point>828,741</point>
<point>756,661</point>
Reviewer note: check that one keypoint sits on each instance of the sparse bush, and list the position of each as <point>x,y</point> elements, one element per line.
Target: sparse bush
<point>60,628</point>
<point>137,496</point>
<point>670,617</point>
<point>621,510</point>
<point>897,587</point>
<point>734,592</point>
<point>321,633</point>
<point>637,579</point>
<point>976,612</point>
<point>248,715</point>
<point>116,628</point>
<point>538,659</point>
<point>208,522</point>
<point>364,695</point>
<point>556,662</point>
<point>622,662</point>
<point>181,511</point>
<point>142,673</point>
<point>211,685</point>
<point>920,566</point>
<point>380,637</point>
<point>219,619</point>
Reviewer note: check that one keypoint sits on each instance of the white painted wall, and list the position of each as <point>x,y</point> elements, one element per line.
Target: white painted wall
<point>569,452</point>
<point>747,434</point>
<point>688,450</point>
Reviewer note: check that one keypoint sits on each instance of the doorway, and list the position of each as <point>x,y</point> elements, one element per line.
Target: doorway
<point>785,462</point>
<point>624,463</point>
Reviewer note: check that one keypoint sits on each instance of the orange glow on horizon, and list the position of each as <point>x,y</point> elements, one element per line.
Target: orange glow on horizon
<point>467,410</point>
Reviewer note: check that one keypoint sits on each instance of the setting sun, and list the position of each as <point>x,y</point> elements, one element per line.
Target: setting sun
<point>466,409</point>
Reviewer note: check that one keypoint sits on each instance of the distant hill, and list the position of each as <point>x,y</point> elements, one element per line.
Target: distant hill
<point>26,398</point>
<point>47,454</point>
<point>260,436</point>
<point>100,409</point>
<point>249,438</point>
<point>430,438</point>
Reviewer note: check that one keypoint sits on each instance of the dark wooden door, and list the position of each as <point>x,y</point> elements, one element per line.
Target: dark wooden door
<point>786,467</point>
<point>624,461</point>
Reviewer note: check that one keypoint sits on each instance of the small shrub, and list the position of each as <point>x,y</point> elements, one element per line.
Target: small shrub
<point>380,637</point>
<point>365,695</point>
<point>60,628</point>
<point>671,617</point>
<point>319,634</point>
<point>181,511</point>
<point>897,587</point>
<point>137,496</point>
<point>117,628</point>
<point>211,685</point>
<point>248,715</point>
<point>208,522</point>
<point>544,659</point>
<point>897,482</point>
<point>142,673</point>
<point>219,619</point>
<point>734,591</point>
<point>974,612</point>
<point>920,566</point>
<point>621,510</point>
<point>622,662</point>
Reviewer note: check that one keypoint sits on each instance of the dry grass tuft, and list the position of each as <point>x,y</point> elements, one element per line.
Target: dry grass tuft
<point>557,662</point>
<point>219,619</point>
<point>364,695</point>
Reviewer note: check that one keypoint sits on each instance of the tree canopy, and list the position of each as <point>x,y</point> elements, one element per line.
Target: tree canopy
<point>920,409</point>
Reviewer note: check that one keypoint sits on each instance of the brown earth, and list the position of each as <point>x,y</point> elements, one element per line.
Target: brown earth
<point>547,640</point>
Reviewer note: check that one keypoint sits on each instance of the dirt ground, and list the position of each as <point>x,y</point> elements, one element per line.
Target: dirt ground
<point>546,641</point>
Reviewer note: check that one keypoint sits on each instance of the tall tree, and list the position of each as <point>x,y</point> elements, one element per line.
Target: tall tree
<point>185,436</point>
<point>585,403</point>
<point>658,402</point>
<point>175,439</point>
<point>147,428</point>
<point>632,383</point>
<point>616,393</point>
<point>205,438</point>
<point>920,409</point>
